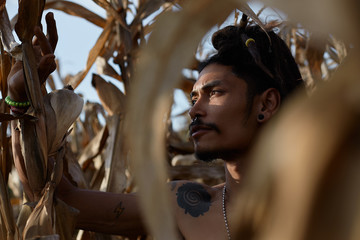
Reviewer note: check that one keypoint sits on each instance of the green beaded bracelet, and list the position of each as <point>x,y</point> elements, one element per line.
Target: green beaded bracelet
<point>17,104</point>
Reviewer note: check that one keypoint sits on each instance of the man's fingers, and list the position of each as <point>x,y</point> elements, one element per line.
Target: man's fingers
<point>43,42</point>
<point>46,66</point>
<point>51,30</point>
<point>47,43</point>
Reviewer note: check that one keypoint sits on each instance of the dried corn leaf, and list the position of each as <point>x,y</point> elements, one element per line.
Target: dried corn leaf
<point>41,221</point>
<point>97,173</point>
<point>124,59</point>
<point>5,68</point>
<point>114,13</point>
<point>36,99</point>
<point>94,148</point>
<point>24,214</point>
<point>72,169</point>
<point>146,9</point>
<point>7,211</point>
<point>245,8</point>
<point>58,166</point>
<point>335,15</point>
<point>150,26</point>
<point>65,219</point>
<point>75,80</point>
<point>186,84</point>
<point>300,48</point>
<point>51,124</point>
<point>32,79</point>
<point>115,157</point>
<point>174,40</point>
<point>94,53</point>
<point>103,67</point>
<point>112,99</point>
<point>29,16</point>
<point>7,38</point>
<point>2,229</point>
<point>91,123</point>
<point>315,56</point>
<point>112,46</point>
<point>19,161</point>
<point>76,10</point>
<point>51,83</point>
<point>286,33</point>
<point>336,49</point>
<point>6,161</point>
<point>34,158</point>
<point>67,107</point>
<point>338,188</point>
<point>175,143</point>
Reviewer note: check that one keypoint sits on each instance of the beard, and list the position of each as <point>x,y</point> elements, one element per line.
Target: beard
<point>210,156</point>
<point>207,156</point>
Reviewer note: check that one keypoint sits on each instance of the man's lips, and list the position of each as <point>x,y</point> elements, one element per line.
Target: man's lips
<point>198,129</point>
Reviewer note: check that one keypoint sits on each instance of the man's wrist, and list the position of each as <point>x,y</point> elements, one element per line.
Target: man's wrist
<point>18,108</point>
<point>18,111</point>
<point>12,103</point>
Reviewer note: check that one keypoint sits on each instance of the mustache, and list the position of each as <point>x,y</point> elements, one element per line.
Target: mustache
<point>199,122</point>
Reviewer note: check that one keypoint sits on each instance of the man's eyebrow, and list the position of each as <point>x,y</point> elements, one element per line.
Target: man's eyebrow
<point>206,86</point>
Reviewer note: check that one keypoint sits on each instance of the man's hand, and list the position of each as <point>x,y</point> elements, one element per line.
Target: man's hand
<point>44,47</point>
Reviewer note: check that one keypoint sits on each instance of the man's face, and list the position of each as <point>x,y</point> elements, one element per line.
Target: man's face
<point>222,126</point>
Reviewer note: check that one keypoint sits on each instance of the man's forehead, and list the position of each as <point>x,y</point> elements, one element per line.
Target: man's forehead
<point>205,85</point>
<point>216,75</point>
<point>209,83</point>
<point>211,78</point>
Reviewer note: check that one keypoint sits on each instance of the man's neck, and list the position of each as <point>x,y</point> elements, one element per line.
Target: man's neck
<point>234,174</point>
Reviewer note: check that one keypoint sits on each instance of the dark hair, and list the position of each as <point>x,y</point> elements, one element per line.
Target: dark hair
<point>265,63</point>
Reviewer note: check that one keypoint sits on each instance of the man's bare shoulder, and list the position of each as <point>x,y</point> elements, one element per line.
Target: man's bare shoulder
<point>197,205</point>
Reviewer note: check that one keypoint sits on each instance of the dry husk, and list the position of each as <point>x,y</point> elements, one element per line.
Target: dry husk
<point>112,99</point>
<point>42,215</point>
<point>63,108</point>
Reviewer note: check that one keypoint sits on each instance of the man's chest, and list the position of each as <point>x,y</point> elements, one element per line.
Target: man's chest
<point>199,211</point>
<point>210,225</point>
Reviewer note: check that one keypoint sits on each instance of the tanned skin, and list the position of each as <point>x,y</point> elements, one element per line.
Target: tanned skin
<point>223,127</point>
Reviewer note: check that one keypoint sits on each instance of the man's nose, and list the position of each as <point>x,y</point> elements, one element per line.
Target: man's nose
<point>197,110</point>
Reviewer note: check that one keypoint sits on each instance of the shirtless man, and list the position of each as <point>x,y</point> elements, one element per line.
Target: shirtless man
<point>239,89</point>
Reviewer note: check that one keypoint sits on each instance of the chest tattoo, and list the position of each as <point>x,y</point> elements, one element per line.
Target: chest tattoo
<point>194,199</point>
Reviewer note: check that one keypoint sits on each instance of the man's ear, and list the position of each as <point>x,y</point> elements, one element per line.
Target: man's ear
<point>269,104</point>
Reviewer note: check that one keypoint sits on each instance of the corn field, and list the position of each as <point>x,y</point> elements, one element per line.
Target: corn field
<point>303,182</point>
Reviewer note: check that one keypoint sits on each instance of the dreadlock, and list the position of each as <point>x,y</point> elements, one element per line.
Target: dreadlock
<point>261,58</point>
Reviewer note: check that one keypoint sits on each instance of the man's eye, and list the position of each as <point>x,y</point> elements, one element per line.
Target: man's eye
<point>213,92</point>
<point>193,101</point>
